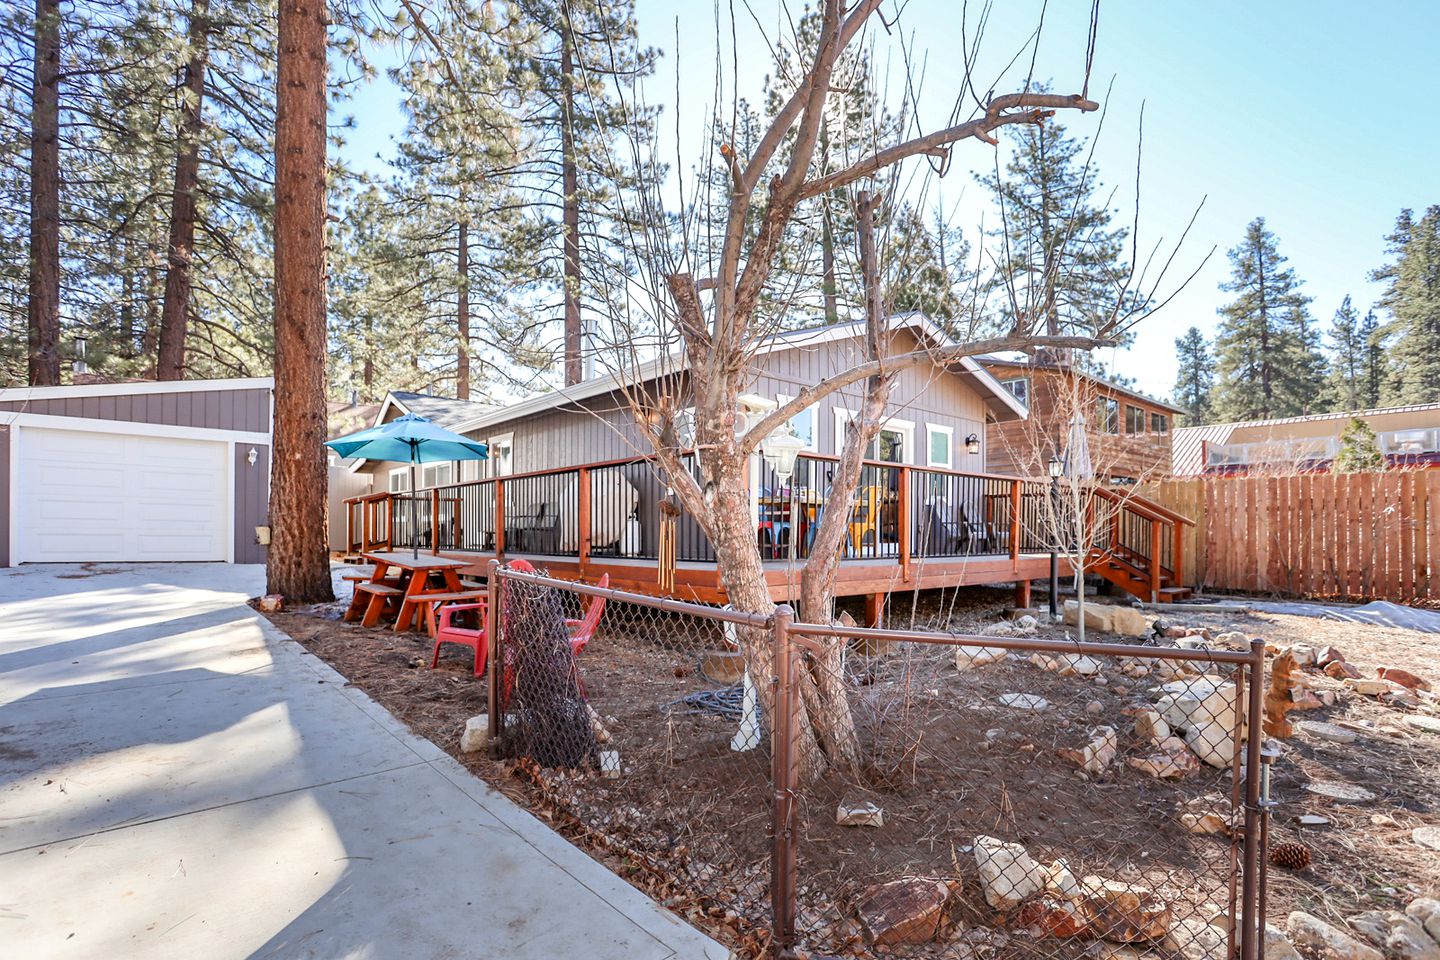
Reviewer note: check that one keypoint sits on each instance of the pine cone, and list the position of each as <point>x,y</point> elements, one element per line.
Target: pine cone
<point>1291,856</point>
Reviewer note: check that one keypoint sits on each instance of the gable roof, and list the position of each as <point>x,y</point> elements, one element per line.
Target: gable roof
<point>990,360</point>
<point>997,398</point>
<point>441,411</point>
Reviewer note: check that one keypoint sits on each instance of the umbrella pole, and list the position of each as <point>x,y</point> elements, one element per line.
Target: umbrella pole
<point>414,519</point>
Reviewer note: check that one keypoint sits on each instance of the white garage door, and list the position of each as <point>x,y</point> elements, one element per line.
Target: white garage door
<point>108,496</point>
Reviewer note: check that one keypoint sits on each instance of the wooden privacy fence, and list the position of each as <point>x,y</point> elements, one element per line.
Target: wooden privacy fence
<point>1352,536</point>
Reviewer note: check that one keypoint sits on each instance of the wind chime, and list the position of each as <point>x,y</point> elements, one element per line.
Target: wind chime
<point>669,514</point>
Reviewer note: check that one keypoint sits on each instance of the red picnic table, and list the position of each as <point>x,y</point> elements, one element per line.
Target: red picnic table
<point>408,583</point>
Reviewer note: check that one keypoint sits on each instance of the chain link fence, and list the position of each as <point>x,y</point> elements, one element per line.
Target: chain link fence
<point>836,791</point>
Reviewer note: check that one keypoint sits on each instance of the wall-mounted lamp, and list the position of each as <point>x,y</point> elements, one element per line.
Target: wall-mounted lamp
<point>972,445</point>
<point>252,456</point>
<point>79,365</point>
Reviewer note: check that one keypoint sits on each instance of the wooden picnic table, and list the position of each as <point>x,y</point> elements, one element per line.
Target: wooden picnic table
<point>400,576</point>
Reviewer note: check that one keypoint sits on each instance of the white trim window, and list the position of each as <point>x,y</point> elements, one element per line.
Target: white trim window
<point>803,423</point>
<point>399,480</point>
<point>895,444</point>
<point>502,455</point>
<point>940,446</point>
<point>1019,388</point>
<point>439,474</point>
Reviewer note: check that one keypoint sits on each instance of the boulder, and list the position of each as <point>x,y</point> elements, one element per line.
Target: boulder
<point>1341,670</point>
<point>1007,874</point>
<point>1422,722</point>
<point>1061,882</point>
<point>1327,655</point>
<point>476,735</point>
<point>1150,726</point>
<point>1123,912</point>
<point>859,813</point>
<point>1077,665</point>
<point>1026,623</point>
<point>909,910</point>
<point>1098,616</point>
<point>1403,677</point>
<point>1427,913</point>
<point>1172,761</point>
<point>1024,701</point>
<point>1304,655</point>
<point>271,603</point>
<point>1196,940</point>
<point>1278,946</point>
<point>1095,756</point>
<point>1204,708</point>
<point>968,657</point>
<point>1368,688</point>
<point>1326,731</point>
<point>1046,917</point>
<point>1303,698</point>
<point>1326,942</point>
<point>1401,937</point>
<point>1129,622</point>
<point>1232,640</point>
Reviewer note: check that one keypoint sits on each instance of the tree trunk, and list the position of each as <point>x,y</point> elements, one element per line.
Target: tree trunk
<point>44,303</point>
<point>298,565</point>
<point>175,311</point>
<point>570,184</point>
<point>462,313</point>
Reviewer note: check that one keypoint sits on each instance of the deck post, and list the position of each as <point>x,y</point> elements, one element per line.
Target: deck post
<point>582,490</point>
<point>435,521</point>
<point>1177,551</point>
<point>1015,523</point>
<point>1155,561</point>
<point>903,521</point>
<point>1022,594</point>
<point>499,519</point>
<point>364,526</point>
<point>874,609</point>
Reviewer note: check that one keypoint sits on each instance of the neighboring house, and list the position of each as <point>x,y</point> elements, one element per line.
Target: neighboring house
<point>1130,432</point>
<point>140,471</point>
<point>1409,437</point>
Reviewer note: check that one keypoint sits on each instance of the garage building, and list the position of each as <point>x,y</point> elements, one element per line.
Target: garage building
<point>174,471</point>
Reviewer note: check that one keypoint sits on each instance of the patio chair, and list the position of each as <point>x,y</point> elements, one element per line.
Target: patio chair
<point>582,630</point>
<point>942,531</point>
<point>975,533</point>
<point>866,518</point>
<point>447,632</point>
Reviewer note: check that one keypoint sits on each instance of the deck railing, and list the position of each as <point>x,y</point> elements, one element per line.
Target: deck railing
<point>615,509</point>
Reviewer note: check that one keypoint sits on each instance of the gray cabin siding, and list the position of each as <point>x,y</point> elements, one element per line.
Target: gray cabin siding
<point>252,500</point>
<point>5,436</point>
<point>246,410</point>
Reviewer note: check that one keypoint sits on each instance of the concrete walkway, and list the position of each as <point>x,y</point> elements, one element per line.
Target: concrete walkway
<point>180,779</point>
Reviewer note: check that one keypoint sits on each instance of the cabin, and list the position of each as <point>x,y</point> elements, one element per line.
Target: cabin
<point>1130,433</point>
<point>1409,438</point>
<point>571,485</point>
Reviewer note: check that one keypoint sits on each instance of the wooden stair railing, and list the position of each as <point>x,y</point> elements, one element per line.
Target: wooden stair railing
<point>1135,559</point>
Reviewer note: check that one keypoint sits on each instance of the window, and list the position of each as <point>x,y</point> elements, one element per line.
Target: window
<point>470,470</point>
<point>1109,415</point>
<point>1019,387</point>
<point>1134,419</point>
<point>436,474</point>
<point>889,446</point>
<point>892,445</point>
<point>400,480</point>
<point>1159,423</point>
<point>941,442</point>
<point>502,455</point>
<point>685,428</point>
<point>803,423</point>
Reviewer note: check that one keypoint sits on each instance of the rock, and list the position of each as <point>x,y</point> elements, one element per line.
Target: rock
<point>1204,823</point>
<point>1326,731</point>
<point>1422,722</point>
<point>597,726</point>
<point>1304,698</point>
<point>967,657</point>
<point>1233,640</point>
<point>1060,881</point>
<point>1129,622</point>
<point>1368,688</point>
<point>1024,701</point>
<point>1098,616</point>
<point>1401,698</point>
<point>271,603</point>
<point>1174,633</point>
<point>1124,912</point>
<point>1077,665</point>
<point>1051,918</point>
<point>1304,655</point>
<point>1094,708</point>
<point>1341,670</point>
<point>1172,762</point>
<point>1007,874</point>
<point>859,813</point>
<point>1209,814</point>
<point>1041,662</point>
<point>1401,937</point>
<point>610,764</point>
<point>1002,629</point>
<point>476,735</point>
<point>1095,756</point>
<point>909,910</point>
<point>1427,912</point>
<point>1196,940</point>
<point>1337,790</point>
<point>1426,837</point>
<point>1026,623</point>
<point>1382,820</point>
<point>1326,942</point>
<point>1150,726</point>
<point>1278,946</point>
<point>1204,708</point>
<point>1327,655</point>
<point>1327,697</point>
<point>1312,820</point>
<point>1403,677</point>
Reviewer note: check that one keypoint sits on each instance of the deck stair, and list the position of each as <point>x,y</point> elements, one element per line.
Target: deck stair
<point>1143,555</point>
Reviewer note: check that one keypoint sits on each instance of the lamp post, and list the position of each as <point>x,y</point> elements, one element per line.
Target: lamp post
<point>1057,470</point>
<point>782,448</point>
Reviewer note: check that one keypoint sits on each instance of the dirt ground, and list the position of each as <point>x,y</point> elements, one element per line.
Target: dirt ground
<point>688,820</point>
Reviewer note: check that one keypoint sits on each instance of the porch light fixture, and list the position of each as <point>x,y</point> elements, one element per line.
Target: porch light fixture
<point>972,445</point>
<point>252,456</point>
<point>79,365</point>
<point>1057,467</point>
<point>781,449</point>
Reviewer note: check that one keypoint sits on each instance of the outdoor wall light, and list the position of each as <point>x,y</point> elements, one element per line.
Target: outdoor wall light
<point>781,449</point>
<point>252,456</point>
<point>1057,467</point>
<point>972,445</point>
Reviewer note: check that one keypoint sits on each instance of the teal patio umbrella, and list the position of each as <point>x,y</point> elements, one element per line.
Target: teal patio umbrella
<point>409,439</point>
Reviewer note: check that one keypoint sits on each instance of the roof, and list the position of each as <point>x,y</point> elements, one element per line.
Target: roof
<point>129,387</point>
<point>442,411</point>
<point>997,397</point>
<point>1188,443</point>
<point>347,418</point>
<point>1031,364</point>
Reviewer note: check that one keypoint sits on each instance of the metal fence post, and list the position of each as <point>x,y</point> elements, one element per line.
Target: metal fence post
<point>783,773</point>
<point>1250,919</point>
<point>494,669</point>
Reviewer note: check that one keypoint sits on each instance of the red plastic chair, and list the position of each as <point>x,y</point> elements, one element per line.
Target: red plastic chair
<point>478,640</point>
<point>582,630</point>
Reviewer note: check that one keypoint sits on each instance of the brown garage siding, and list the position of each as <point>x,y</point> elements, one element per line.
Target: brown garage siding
<point>247,410</point>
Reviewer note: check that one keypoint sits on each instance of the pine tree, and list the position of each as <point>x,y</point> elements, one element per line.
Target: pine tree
<point>1265,349</point>
<point>1059,255</point>
<point>1359,449</point>
<point>1375,366</point>
<point>1348,359</point>
<point>925,269</point>
<point>1412,299</point>
<point>1196,376</point>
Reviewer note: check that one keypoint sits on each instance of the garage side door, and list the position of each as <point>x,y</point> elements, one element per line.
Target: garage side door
<point>109,497</point>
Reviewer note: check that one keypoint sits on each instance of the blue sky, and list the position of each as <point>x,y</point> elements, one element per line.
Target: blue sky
<point>1313,115</point>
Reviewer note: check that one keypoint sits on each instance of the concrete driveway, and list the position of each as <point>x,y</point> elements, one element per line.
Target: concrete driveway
<point>180,779</point>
